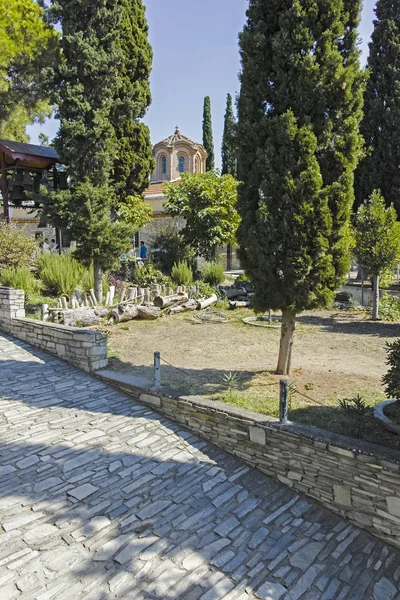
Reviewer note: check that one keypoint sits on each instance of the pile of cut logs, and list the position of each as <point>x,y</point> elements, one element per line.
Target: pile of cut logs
<point>141,303</point>
<point>239,296</point>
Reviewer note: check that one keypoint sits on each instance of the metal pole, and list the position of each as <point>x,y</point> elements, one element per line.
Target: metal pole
<point>283,401</point>
<point>157,371</point>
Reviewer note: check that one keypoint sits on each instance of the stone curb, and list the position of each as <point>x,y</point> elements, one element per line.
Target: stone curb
<point>383,419</point>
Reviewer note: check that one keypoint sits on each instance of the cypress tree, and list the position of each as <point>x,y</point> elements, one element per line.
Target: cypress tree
<point>102,90</point>
<point>299,111</point>
<point>228,149</point>
<point>207,134</point>
<point>380,169</point>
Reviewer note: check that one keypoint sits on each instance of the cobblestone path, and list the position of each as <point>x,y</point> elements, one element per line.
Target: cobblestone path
<point>103,498</point>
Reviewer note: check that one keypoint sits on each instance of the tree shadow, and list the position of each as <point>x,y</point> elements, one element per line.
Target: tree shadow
<point>333,325</point>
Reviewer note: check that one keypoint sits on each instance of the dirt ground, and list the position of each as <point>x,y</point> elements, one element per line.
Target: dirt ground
<point>336,354</point>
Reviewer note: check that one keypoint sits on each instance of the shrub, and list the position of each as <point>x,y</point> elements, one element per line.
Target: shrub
<point>205,291</point>
<point>392,378</point>
<point>213,273</point>
<point>169,248</point>
<point>20,279</point>
<point>181,273</point>
<point>17,249</point>
<point>389,307</point>
<point>147,274</point>
<point>60,273</point>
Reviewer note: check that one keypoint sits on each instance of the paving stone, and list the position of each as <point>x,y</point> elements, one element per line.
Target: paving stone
<point>384,589</point>
<point>271,591</point>
<point>83,491</point>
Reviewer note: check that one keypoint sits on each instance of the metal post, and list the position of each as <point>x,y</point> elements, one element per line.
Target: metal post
<point>283,401</point>
<point>157,371</point>
<point>362,286</point>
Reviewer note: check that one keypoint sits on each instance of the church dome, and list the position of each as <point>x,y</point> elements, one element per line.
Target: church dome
<point>178,154</point>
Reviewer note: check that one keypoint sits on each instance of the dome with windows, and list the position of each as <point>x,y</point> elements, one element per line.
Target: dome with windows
<point>175,155</point>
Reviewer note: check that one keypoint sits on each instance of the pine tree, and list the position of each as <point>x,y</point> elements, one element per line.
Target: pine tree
<point>380,169</point>
<point>299,111</point>
<point>102,90</point>
<point>207,134</point>
<point>228,149</point>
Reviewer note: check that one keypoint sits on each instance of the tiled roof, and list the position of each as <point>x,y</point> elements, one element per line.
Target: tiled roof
<point>31,149</point>
<point>156,188</point>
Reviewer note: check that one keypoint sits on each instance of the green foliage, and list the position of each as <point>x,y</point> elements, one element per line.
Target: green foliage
<point>147,274</point>
<point>205,291</point>
<point>357,410</point>
<point>28,46</point>
<point>392,378</point>
<point>299,143</point>
<point>208,134</point>
<point>60,273</point>
<point>380,169</point>
<point>229,148</point>
<point>213,273</point>
<point>87,280</point>
<point>231,381</point>
<point>168,248</point>
<point>20,278</point>
<point>207,204</point>
<point>377,235</point>
<point>389,307</point>
<point>181,273</point>
<point>17,249</point>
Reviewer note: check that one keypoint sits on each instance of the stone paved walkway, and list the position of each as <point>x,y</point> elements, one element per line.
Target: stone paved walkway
<point>103,498</point>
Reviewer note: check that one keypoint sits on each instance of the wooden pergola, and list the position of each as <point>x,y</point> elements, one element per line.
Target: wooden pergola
<point>24,167</point>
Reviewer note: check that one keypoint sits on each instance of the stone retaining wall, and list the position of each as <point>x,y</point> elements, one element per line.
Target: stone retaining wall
<point>81,347</point>
<point>358,480</point>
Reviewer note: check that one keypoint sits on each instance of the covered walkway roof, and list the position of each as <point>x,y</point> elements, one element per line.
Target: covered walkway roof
<point>29,156</point>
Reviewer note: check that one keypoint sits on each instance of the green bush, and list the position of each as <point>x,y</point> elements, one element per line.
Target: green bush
<point>205,290</point>
<point>169,248</point>
<point>17,249</point>
<point>392,378</point>
<point>20,279</point>
<point>60,273</point>
<point>181,273</point>
<point>147,274</point>
<point>389,307</point>
<point>213,273</point>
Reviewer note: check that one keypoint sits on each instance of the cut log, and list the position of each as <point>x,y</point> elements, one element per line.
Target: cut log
<point>93,296</point>
<point>123,312</point>
<point>190,305</point>
<point>239,304</point>
<point>206,302</point>
<point>82,317</point>
<point>112,294</point>
<point>148,312</point>
<point>123,292</point>
<point>165,301</point>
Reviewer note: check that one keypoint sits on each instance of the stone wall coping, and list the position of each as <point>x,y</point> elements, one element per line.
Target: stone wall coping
<point>383,419</point>
<point>55,326</point>
<point>313,434</point>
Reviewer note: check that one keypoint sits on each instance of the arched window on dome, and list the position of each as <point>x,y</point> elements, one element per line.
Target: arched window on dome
<point>163,165</point>
<point>181,167</point>
<point>197,165</point>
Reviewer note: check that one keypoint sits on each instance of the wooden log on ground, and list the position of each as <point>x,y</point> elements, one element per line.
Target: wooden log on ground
<point>166,301</point>
<point>82,317</point>
<point>93,296</point>
<point>207,302</point>
<point>148,312</point>
<point>123,312</point>
<point>239,304</point>
<point>190,305</point>
<point>235,293</point>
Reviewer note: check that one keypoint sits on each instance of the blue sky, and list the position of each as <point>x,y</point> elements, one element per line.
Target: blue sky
<point>196,55</point>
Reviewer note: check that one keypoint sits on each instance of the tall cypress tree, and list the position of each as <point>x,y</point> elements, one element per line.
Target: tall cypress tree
<point>380,169</point>
<point>299,111</point>
<point>228,150</point>
<point>102,90</point>
<point>207,134</point>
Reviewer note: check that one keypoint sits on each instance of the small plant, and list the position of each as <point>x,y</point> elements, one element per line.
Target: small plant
<point>309,386</point>
<point>392,378</point>
<point>60,273</point>
<point>358,410</point>
<point>389,307</point>
<point>205,291</point>
<point>181,273</point>
<point>147,274</point>
<point>213,273</point>
<point>169,248</point>
<point>231,380</point>
<point>20,279</point>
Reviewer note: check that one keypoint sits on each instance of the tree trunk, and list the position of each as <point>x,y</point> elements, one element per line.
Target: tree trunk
<point>98,284</point>
<point>286,343</point>
<point>375,298</point>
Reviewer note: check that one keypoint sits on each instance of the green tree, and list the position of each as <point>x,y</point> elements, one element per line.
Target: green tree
<point>207,204</point>
<point>101,92</point>
<point>229,150</point>
<point>207,134</point>
<point>28,45</point>
<point>299,144</point>
<point>380,169</point>
<point>377,240</point>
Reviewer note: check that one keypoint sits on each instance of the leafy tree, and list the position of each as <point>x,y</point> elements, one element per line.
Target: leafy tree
<point>380,169</point>
<point>229,150</point>
<point>207,204</point>
<point>207,134</point>
<point>299,144</point>
<point>377,240</point>
<point>102,91</point>
<point>17,248</point>
<point>28,46</point>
